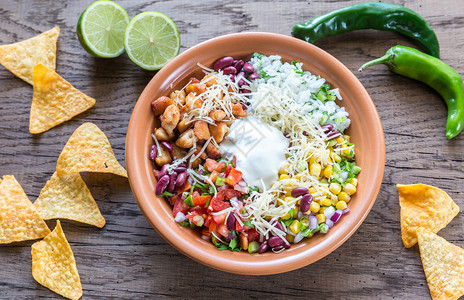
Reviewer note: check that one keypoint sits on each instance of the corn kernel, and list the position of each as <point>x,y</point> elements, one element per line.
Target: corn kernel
<point>313,159</point>
<point>284,176</point>
<point>295,212</point>
<point>341,205</point>
<point>336,157</point>
<point>347,138</point>
<point>290,238</point>
<point>333,199</point>
<point>354,181</point>
<point>349,188</point>
<point>321,210</point>
<point>289,199</point>
<point>343,196</point>
<point>297,177</point>
<point>339,140</point>
<point>287,216</point>
<point>315,169</point>
<point>335,188</point>
<point>328,171</point>
<point>314,207</point>
<point>320,218</point>
<point>326,202</point>
<point>312,190</point>
<point>295,226</point>
<point>284,166</point>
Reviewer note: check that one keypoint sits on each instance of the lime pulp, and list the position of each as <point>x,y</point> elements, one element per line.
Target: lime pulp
<point>151,40</point>
<point>101,28</point>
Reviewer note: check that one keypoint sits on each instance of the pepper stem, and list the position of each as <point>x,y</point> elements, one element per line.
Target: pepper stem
<point>381,60</point>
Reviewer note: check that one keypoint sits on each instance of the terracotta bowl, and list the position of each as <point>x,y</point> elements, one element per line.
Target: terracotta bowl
<point>366,132</point>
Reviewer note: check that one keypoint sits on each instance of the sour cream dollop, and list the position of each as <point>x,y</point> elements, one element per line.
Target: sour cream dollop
<point>259,149</point>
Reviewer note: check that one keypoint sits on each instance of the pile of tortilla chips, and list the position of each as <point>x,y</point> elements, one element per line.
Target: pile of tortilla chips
<point>424,211</point>
<point>65,196</point>
<point>55,100</point>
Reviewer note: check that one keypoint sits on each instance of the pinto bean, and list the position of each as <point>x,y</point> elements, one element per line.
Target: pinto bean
<point>219,131</point>
<point>160,105</point>
<point>170,118</point>
<point>186,139</point>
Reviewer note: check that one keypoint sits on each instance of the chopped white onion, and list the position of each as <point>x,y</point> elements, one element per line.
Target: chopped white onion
<point>180,217</point>
<point>329,223</point>
<point>329,212</point>
<point>298,238</point>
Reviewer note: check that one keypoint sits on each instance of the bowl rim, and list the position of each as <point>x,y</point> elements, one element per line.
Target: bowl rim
<point>235,263</point>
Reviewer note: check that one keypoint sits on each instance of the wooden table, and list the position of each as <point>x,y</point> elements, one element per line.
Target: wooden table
<point>127,258</point>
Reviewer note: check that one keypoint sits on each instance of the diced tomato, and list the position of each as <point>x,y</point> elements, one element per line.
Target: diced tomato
<point>185,187</point>
<point>227,171</point>
<point>180,206</point>
<point>201,200</point>
<point>213,176</point>
<point>234,177</point>
<point>172,199</point>
<point>212,227</point>
<point>218,219</point>
<point>238,227</point>
<point>252,235</point>
<point>195,194</point>
<point>234,161</point>
<point>191,214</point>
<point>211,164</point>
<point>220,166</point>
<point>208,221</point>
<point>205,232</point>
<point>218,205</point>
<point>222,230</point>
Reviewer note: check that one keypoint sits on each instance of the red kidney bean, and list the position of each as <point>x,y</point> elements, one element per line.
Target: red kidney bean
<point>156,173</point>
<point>254,76</point>
<point>327,128</point>
<point>181,178</point>
<point>166,145</point>
<point>162,185</point>
<point>180,169</point>
<point>231,222</point>
<point>299,191</point>
<point>277,248</point>
<point>238,64</point>
<point>232,77</point>
<point>248,68</point>
<point>163,170</point>
<point>274,241</point>
<point>278,225</point>
<point>286,134</point>
<point>334,134</point>
<point>229,70</point>
<point>263,247</point>
<point>153,152</point>
<point>223,62</point>
<point>305,203</point>
<point>172,182</point>
<point>245,91</point>
<point>286,244</point>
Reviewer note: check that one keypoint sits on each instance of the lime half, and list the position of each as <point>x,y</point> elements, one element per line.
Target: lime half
<point>101,28</point>
<point>151,40</point>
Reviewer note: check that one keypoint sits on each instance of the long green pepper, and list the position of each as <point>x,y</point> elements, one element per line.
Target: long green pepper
<point>380,16</point>
<point>442,78</point>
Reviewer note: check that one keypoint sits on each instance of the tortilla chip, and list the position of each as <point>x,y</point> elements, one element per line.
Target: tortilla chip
<point>53,265</point>
<point>443,265</point>
<point>19,220</point>
<point>88,150</point>
<point>68,197</point>
<point>21,57</point>
<point>55,100</point>
<point>423,206</point>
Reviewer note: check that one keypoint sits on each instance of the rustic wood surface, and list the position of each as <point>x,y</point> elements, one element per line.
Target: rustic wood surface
<point>127,258</point>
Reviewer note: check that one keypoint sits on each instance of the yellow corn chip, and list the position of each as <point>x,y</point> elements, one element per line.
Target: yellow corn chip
<point>88,150</point>
<point>443,265</point>
<point>55,100</point>
<point>68,197</point>
<point>53,265</point>
<point>21,57</point>
<point>19,220</point>
<point>424,206</point>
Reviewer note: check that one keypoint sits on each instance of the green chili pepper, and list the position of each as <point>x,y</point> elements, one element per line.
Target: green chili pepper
<point>442,78</point>
<point>380,16</point>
